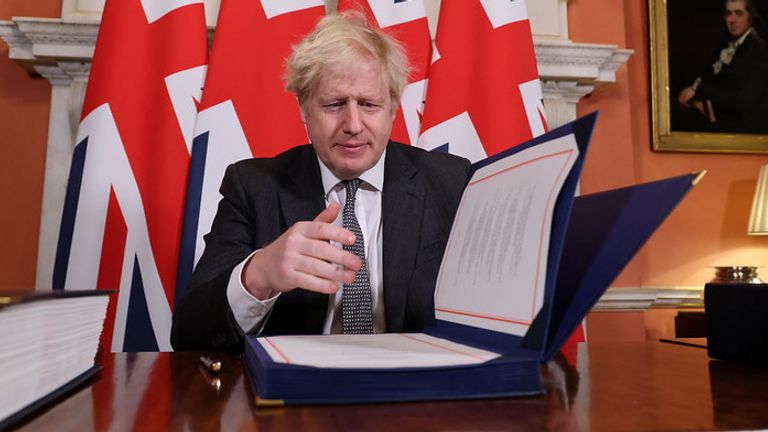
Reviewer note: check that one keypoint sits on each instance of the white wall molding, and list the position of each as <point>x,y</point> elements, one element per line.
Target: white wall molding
<point>60,51</point>
<point>561,98</point>
<point>650,297</point>
<point>53,39</point>
<point>589,64</point>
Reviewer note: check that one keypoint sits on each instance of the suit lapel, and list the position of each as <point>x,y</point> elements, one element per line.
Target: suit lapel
<point>301,196</point>
<point>402,208</point>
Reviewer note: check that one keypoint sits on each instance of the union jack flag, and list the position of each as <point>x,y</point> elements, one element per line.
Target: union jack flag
<point>406,21</point>
<point>484,92</point>
<point>141,134</point>
<point>245,110</point>
<point>125,197</point>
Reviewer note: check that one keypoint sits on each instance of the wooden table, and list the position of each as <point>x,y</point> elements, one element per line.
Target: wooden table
<point>620,386</point>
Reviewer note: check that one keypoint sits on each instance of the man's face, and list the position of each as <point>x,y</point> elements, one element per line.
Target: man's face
<point>349,117</point>
<point>736,18</point>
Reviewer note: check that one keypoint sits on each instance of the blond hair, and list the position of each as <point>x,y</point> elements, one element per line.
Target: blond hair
<point>337,41</point>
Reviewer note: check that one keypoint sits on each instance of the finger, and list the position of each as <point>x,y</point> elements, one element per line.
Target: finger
<point>331,254</point>
<point>325,270</point>
<point>329,214</point>
<point>313,283</point>
<point>327,232</point>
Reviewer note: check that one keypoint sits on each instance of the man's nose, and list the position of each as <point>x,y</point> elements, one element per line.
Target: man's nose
<point>352,122</point>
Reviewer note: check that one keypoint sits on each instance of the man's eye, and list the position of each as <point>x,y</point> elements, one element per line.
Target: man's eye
<point>369,106</point>
<point>334,106</point>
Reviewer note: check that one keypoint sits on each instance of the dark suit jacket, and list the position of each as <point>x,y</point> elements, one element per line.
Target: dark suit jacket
<point>739,93</point>
<point>264,197</point>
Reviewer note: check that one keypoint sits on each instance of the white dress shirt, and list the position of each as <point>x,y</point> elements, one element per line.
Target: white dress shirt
<point>249,312</point>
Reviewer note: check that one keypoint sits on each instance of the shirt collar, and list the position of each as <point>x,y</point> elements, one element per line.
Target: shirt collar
<point>373,177</point>
<point>740,40</point>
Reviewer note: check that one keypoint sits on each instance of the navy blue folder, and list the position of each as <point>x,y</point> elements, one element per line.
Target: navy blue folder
<point>592,238</point>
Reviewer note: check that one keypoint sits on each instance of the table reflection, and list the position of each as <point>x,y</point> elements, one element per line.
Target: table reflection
<point>729,382</point>
<point>633,386</point>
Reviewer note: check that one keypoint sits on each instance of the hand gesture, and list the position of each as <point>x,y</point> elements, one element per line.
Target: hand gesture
<point>303,257</point>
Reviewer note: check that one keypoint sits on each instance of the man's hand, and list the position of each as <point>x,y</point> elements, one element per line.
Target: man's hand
<point>303,257</point>
<point>685,96</point>
<point>699,106</point>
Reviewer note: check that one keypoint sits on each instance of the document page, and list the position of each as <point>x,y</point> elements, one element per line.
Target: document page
<point>375,351</point>
<point>493,273</point>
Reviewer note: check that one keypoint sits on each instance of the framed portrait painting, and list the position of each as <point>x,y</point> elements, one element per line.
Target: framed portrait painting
<point>709,75</point>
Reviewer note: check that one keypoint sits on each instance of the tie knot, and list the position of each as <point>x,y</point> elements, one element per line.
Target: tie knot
<point>351,187</point>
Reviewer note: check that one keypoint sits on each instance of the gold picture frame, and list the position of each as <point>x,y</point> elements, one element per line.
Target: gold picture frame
<point>665,138</point>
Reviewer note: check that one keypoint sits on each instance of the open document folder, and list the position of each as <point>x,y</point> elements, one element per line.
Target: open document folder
<point>525,262</point>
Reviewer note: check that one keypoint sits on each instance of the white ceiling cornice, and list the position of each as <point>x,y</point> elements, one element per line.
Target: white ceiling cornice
<point>50,41</point>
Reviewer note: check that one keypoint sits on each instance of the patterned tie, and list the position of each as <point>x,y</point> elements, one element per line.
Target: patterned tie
<point>356,304</point>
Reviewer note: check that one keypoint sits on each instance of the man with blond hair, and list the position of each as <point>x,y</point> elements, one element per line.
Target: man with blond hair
<point>282,257</point>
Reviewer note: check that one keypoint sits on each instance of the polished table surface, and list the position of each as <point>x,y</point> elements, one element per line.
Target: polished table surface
<point>619,386</point>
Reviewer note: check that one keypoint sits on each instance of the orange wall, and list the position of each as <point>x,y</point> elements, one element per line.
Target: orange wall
<point>24,107</point>
<point>709,227</point>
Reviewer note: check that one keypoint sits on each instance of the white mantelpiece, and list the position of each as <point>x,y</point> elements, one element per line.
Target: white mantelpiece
<point>35,41</point>
<point>570,71</point>
<point>60,51</point>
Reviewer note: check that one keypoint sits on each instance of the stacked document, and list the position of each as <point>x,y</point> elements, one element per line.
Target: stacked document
<point>525,261</point>
<point>48,346</point>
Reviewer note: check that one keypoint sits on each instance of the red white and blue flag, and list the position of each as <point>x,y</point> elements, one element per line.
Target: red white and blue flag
<point>141,136</point>
<point>245,110</point>
<point>406,21</point>
<point>484,93</point>
<point>125,197</point>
